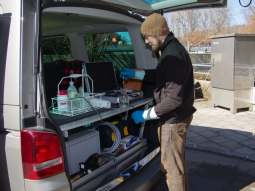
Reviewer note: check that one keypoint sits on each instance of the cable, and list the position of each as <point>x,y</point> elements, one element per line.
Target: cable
<point>93,108</point>
<point>112,86</point>
<point>117,139</point>
<point>205,80</point>
<point>52,104</point>
<point>207,88</point>
<point>245,5</point>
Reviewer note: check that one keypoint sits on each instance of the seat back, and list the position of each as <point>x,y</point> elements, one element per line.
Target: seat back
<point>54,72</point>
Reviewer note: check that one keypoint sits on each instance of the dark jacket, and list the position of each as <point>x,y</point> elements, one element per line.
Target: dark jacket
<point>174,80</point>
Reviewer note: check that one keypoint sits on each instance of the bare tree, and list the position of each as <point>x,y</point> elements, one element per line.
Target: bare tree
<point>196,25</point>
<point>249,15</point>
<point>220,19</point>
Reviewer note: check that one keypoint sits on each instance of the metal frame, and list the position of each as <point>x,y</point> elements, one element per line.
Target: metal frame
<point>95,118</point>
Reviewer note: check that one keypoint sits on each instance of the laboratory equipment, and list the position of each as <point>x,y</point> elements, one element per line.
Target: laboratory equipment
<point>61,98</point>
<point>123,98</point>
<point>73,101</point>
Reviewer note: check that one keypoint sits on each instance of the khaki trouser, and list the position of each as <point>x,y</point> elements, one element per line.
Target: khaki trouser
<point>172,139</point>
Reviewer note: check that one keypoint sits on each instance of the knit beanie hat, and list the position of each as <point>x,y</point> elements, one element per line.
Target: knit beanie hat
<point>155,25</point>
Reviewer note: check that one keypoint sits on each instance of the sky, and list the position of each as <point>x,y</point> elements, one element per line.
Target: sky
<point>237,11</point>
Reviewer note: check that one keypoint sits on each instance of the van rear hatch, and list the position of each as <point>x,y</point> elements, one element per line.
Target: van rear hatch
<point>146,7</point>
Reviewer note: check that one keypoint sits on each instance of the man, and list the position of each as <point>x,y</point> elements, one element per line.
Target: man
<point>174,95</point>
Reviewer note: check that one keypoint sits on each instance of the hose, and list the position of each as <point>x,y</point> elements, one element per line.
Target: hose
<point>52,104</point>
<point>92,108</point>
<point>204,82</point>
<point>117,139</point>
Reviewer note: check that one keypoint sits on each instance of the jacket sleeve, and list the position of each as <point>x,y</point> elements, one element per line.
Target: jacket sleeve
<point>175,73</point>
<point>150,76</point>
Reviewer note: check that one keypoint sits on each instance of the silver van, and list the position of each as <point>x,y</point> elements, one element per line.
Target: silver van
<point>41,43</point>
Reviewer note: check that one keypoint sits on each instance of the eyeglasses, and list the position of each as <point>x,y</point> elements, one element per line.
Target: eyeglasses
<point>147,37</point>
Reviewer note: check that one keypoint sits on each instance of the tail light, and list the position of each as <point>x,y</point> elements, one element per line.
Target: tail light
<point>41,154</point>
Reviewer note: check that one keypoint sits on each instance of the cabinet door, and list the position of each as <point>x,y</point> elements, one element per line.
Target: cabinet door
<point>222,63</point>
<point>244,62</point>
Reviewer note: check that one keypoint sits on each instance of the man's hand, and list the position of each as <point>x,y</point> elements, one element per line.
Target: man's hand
<point>141,116</point>
<point>137,116</point>
<point>127,73</point>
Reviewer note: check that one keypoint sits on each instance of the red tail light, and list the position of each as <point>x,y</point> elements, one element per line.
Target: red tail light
<point>41,154</point>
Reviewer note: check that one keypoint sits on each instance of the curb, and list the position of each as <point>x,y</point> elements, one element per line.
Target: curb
<point>228,153</point>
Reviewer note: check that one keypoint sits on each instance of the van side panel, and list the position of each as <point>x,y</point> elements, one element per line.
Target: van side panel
<point>14,161</point>
<point>11,117</point>
<point>12,71</point>
<point>4,177</point>
<point>10,104</point>
<point>28,58</point>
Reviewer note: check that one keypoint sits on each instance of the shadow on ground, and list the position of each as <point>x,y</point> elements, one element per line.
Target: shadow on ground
<point>215,172</point>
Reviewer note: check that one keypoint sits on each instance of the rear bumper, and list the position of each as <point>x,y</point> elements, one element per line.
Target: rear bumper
<point>55,183</point>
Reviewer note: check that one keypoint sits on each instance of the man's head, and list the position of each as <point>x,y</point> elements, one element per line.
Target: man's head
<point>155,30</point>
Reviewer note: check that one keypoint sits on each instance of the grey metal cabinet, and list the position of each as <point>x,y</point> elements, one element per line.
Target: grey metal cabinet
<point>232,70</point>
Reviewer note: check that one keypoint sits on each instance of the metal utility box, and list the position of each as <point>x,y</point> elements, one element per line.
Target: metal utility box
<point>232,70</point>
<point>80,147</point>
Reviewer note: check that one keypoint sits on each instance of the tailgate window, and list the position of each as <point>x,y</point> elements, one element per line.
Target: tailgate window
<point>56,48</point>
<point>5,21</point>
<point>116,47</point>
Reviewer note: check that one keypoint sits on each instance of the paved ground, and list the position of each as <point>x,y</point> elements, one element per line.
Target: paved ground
<point>215,172</point>
<point>218,130</point>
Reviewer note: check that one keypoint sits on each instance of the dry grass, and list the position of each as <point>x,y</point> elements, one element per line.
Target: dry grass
<point>202,77</point>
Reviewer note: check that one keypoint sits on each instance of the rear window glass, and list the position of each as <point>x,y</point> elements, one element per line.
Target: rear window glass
<point>153,1</point>
<point>56,48</point>
<point>116,47</point>
<point>5,21</point>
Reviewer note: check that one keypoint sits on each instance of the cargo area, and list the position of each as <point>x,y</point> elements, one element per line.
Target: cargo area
<point>91,150</point>
<point>83,99</point>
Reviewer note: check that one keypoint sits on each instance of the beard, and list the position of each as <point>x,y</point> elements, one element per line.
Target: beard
<point>157,48</point>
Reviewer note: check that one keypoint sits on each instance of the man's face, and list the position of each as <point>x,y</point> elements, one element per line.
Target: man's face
<point>154,42</point>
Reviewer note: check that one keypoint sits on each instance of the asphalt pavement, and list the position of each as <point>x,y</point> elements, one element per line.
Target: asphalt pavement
<point>209,171</point>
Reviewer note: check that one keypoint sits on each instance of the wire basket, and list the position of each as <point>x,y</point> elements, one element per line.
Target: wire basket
<point>76,106</point>
<point>79,104</point>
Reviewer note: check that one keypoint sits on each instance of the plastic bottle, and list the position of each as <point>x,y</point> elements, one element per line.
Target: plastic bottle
<point>72,93</point>
<point>72,87</point>
<point>62,100</point>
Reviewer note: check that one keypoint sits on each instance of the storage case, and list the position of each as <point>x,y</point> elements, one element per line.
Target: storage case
<point>80,147</point>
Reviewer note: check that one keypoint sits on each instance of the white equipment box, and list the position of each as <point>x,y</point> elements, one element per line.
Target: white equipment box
<point>80,147</point>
